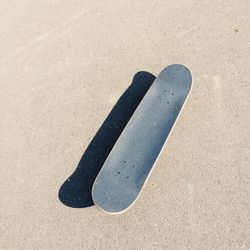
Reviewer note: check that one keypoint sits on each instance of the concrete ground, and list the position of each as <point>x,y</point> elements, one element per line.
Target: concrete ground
<point>63,67</point>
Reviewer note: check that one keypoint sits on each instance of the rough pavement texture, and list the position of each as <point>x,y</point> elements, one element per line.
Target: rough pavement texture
<point>63,66</point>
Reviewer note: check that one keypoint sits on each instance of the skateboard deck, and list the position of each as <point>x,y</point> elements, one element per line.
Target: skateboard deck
<point>132,158</point>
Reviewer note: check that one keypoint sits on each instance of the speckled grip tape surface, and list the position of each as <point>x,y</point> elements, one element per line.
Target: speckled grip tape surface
<point>127,167</point>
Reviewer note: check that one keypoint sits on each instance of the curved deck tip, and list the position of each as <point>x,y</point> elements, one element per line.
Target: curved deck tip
<point>105,208</point>
<point>178,72</point>
<point>180,67</point>
<point>108,204</point>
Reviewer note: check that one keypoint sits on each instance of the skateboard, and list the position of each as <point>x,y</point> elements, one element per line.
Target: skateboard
<point>133,156</point>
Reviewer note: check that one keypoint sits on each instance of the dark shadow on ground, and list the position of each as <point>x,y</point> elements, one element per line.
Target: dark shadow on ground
<point>76,190</point>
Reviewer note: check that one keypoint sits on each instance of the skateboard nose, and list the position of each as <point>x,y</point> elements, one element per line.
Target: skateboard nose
<point>176,75</point>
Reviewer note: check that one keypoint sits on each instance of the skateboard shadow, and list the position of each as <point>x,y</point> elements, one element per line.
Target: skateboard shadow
<point>76,190</point>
